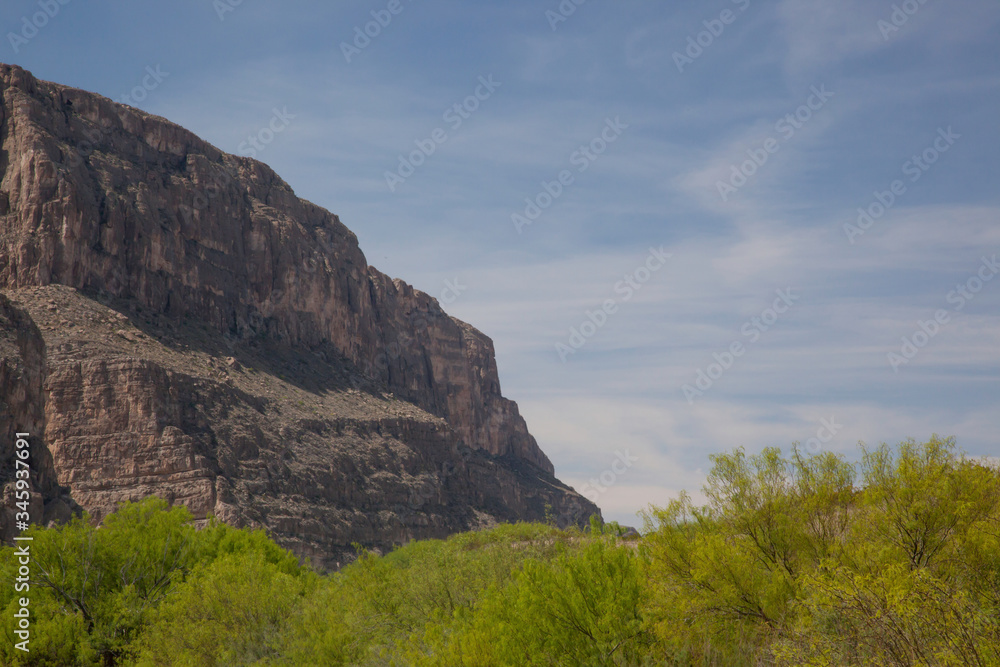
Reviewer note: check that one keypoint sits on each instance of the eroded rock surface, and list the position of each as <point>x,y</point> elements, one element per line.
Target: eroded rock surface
<point>177,322</point>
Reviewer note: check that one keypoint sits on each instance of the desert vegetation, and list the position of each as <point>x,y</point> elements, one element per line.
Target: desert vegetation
<point>794,559</point>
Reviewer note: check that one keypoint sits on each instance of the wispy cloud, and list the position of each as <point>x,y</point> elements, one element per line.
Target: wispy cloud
<point>657,185</point>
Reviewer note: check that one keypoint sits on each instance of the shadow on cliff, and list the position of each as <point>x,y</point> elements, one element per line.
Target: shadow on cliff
<point>318,370</point>
<point>22,414</point>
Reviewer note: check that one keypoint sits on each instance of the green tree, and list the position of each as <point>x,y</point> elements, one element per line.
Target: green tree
<point>96,587</point>
<point>581,607</point>
<point>382,607</point>
<point>233,611</point>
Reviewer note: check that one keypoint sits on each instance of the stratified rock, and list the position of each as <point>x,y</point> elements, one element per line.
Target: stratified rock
<point>179,323</point>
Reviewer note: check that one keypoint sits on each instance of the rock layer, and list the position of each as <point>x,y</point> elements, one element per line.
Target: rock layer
<point>135,256</point>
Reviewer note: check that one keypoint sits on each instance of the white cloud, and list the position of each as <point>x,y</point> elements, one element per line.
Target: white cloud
<point>826,358</point>
<point>820,33</point>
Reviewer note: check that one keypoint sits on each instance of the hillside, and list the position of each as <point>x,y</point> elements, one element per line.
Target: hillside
<point>175,321</point>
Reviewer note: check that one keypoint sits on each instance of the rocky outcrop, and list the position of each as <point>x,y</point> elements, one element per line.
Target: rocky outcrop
<point>100,196</point>
<point>22,405</point>
<point>135,256</point>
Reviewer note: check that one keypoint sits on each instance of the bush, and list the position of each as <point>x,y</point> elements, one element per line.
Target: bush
<point>804,560</point>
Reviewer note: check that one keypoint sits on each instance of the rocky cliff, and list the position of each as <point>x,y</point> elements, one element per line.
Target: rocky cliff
<point>175,321</point>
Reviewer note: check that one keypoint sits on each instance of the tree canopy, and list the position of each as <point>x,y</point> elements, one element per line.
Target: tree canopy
<point>793,560</point>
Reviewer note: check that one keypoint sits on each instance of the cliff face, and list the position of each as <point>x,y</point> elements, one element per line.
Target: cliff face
<point>134,256</point>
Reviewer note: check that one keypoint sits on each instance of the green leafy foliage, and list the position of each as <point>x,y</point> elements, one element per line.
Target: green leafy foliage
<point>579,606</point>
<point>96,588</point>
<point>380,607</point>
<point>798,560</point>
<point>791,564</point>
<point>231,612</point>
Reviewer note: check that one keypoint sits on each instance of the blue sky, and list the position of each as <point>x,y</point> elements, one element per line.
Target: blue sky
<point>898,81</point>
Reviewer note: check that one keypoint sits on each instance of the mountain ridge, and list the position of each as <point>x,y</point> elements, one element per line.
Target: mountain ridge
<point>138,216</point>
